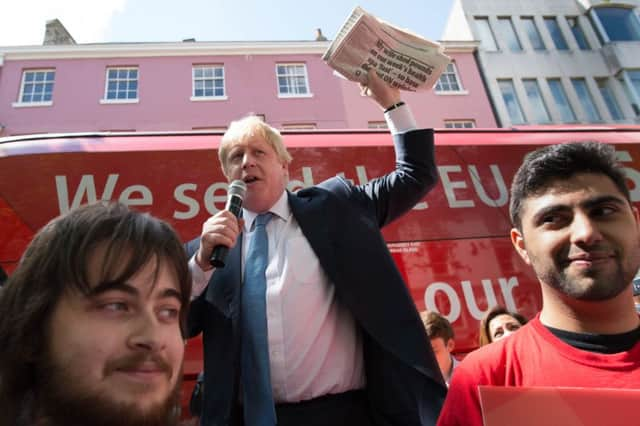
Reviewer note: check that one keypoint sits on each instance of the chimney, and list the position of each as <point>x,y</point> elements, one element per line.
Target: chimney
<point>56,33</point>
<point>319,36</point>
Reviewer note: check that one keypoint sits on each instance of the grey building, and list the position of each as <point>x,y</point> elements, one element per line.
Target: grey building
<point>555,61</point>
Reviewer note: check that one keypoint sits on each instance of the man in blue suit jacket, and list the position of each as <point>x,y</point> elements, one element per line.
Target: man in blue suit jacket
<point>345,343</point>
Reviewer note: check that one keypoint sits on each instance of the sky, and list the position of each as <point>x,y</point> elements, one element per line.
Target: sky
<point>22,22</point>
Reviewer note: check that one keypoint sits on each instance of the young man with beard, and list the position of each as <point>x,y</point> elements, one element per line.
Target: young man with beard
<point>575,225</point>
<point>91,323</point>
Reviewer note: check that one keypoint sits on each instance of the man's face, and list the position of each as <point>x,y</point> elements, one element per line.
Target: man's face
<point>256,163</point>
<point>581,237</point>
<point>502,326</point>
<point>118,350</point>
<point>442,351</point>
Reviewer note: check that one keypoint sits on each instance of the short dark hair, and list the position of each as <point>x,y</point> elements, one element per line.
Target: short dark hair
<point>562,161</point>
<point>485,334</point>
<point>57,260</point>
<point>437,326</point>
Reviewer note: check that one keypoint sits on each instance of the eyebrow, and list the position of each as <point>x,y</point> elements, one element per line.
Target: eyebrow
<point>235,148</point>
<point>171,293</point>
<point>106,286</point>
<point>129,289</point>
<point>593,202</point>
<point>587,204</point>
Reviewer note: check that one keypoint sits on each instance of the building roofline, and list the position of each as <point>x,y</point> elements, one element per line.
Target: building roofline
<point>124,50</point>
<point>459,46</point>
<point>217,48</point>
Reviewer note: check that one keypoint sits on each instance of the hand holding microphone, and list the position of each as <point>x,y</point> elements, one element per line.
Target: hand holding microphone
<point>237,190</point>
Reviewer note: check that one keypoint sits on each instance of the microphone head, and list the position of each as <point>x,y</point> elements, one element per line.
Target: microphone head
<point>237,188</point>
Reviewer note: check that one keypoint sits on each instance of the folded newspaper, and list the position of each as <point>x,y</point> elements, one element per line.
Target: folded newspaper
<point>401,58</point>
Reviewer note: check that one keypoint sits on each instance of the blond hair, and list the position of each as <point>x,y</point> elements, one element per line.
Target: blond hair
<point>249,127</point>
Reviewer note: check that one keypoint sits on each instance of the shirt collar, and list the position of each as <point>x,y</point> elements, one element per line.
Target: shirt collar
<point>280,209</point>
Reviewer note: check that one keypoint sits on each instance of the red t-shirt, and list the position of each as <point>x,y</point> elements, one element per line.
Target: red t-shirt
<point>533,357</point>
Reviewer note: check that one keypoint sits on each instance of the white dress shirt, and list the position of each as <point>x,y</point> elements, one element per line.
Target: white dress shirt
<point>315,347</point>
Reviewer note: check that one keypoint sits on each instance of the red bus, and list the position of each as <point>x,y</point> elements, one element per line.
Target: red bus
<point>453,248</point>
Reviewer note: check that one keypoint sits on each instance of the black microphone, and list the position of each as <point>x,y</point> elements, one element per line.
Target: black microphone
<point>237,189</point>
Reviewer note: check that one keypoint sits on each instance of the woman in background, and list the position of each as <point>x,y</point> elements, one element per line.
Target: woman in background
<point>499,323</point>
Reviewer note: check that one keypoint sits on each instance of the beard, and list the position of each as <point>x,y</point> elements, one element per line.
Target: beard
<point>594,284</point>
<point>63,401</point>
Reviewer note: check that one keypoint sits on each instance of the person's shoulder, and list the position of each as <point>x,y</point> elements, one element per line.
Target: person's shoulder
<point>484,358</point>
<point>493,356</point>
<point>336,185</point>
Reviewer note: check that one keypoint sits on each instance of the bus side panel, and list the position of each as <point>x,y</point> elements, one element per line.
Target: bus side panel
<point>14,237</point>
<point>462,278</point>
<point>185,187</point>
<point>452,248</point>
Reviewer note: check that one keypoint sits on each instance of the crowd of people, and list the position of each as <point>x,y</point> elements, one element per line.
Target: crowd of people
<point>309,321</point>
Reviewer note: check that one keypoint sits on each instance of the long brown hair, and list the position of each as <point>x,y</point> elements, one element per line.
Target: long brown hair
<point>485,334</point>
<point>57,260</point>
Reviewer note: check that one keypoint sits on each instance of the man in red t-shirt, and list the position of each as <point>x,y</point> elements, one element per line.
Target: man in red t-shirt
<point>575,225</point>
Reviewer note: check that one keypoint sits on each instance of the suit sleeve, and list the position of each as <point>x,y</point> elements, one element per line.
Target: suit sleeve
<point>197,305</point>
<point>392,195</point>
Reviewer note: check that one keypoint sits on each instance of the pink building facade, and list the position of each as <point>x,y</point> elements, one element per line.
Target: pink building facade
<point>203,85</point>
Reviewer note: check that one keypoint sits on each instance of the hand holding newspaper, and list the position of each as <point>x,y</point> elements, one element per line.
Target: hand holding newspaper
<point>402,59</point>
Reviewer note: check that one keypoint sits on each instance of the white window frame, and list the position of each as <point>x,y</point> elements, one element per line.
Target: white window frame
<point>601,30</point>
<point>586,102</point>
<point>536,101</point>
<point>135,100</point>
<point>562,93</point>
<point>377,125</point>
<point>609,97</point>
<point>19,103</point>
<point>522,119</point>
<point>195,98</point>
<point>560,33</point>
<point>308,94</point>
<point>487,44</point>
<point>632,92</point>
<point>448,73</point>
<point>536,31</point>
<point>299,126</point>
<point>578,28</point>
<point>508,34</point>
<point>220,129</point>
<point>459,124</point>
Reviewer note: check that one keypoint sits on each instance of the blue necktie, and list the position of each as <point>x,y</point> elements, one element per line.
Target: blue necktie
<point>257,397</point>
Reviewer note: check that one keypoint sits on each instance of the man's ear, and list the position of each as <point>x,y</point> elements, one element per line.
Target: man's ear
<point>224,172</point>
<point>636,215</point>
<point>450,345</point>
<point>518,243</point>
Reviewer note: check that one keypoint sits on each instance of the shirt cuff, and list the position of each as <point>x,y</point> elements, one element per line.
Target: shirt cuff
<point>400,120</point>
<point>199,278</point>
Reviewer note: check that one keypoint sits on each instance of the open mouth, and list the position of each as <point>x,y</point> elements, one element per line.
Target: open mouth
<point>250,179</point>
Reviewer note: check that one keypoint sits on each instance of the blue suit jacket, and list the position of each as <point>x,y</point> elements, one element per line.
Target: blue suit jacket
<point>342,224</point>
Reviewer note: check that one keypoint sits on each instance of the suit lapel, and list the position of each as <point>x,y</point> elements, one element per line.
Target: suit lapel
<point>223,291</point>
<point>309,207</point>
